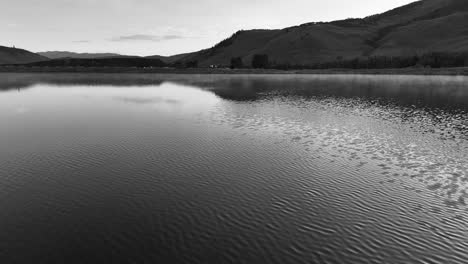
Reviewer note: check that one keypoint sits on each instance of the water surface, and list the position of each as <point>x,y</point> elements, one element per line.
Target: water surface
<point>103,168</point>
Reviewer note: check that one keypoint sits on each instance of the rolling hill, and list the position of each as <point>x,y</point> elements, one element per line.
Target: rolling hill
<point>124,62</point>
<point>414,29</point>
<point>18,56</point>
<point>169,59</point>
<point>74,55</point>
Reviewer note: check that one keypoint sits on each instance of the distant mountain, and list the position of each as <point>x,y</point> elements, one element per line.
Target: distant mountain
<point>420,28</point>
<point>414,29</point>
<point>170,59</point>
<point>18,56</point>
<point>74,55</point>
<point>101,62</point>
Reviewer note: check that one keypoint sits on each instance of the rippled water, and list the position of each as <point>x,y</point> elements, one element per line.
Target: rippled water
<point>109,168</point>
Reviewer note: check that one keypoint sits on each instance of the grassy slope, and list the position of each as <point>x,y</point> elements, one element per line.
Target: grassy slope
<point>169,59</point>
<point>449,33</point>
<point>320,42</point>
<point>242,44</point>
<point>13,55</point>
<point>427,25</point>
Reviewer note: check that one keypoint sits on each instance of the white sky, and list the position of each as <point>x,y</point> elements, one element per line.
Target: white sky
<point>150,27</point>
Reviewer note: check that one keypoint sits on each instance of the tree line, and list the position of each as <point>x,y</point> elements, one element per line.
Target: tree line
<point>432,60</point>
<point>263,61</point>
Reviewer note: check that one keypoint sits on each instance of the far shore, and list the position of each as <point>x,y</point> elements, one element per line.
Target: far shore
<point>403,71</point>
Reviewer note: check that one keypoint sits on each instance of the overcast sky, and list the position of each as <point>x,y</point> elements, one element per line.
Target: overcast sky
<point>149,27</point>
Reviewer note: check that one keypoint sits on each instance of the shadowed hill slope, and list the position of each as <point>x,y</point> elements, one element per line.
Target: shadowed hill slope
<point>169,59</point>
<point>18,56</point>
<point>447,34</point>
<point>417,28</point>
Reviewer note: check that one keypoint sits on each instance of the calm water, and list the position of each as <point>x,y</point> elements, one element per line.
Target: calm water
<point>233,169</point>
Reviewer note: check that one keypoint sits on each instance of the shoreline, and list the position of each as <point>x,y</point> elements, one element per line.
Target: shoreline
<point>463,71</point>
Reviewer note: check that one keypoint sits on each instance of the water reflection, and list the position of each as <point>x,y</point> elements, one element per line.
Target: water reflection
<point>249,169</point>
<point>420,91</point>
<point>9,81</point>
<point>136,100</point>
<point>439,104</point>
<point>431,91</point>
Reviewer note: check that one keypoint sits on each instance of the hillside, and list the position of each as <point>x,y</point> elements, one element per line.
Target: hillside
<point>169,59</point>
<point>18,56</point>
<point>74,55</point>
<point>418,28</point>
<point>101,62</point>
<point>414,30</point>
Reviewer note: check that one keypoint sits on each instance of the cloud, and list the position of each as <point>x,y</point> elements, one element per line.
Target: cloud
<point>81,41</point>
<point>144,37</point>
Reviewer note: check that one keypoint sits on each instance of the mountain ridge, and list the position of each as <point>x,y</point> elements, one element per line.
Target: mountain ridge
<point>397,32</point>
<point>415,29</point>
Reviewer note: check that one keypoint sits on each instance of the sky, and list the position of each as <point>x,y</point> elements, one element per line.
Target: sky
<point>160,27</point>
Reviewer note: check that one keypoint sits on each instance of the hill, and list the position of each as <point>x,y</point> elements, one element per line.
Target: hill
<point>415,29</point>
<point>74,55</point>
<point>169,59</point>
<point>126,62</point>
<point>18,56</point>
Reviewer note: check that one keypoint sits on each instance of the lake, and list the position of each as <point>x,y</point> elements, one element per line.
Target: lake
<point>148,168</point>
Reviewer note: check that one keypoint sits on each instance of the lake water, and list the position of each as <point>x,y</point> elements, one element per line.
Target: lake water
<point>103,168</point>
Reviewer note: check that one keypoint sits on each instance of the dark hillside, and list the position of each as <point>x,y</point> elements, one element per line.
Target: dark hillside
<point>18,56</point>
<point>418,28</point>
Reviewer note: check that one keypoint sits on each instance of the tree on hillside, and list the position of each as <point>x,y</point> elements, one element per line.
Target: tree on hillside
<point>260,61</point>
<point>191,64</point>
<point>237,63</point>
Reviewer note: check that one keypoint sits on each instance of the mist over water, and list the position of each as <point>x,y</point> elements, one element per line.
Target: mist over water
<point>103,168</point>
